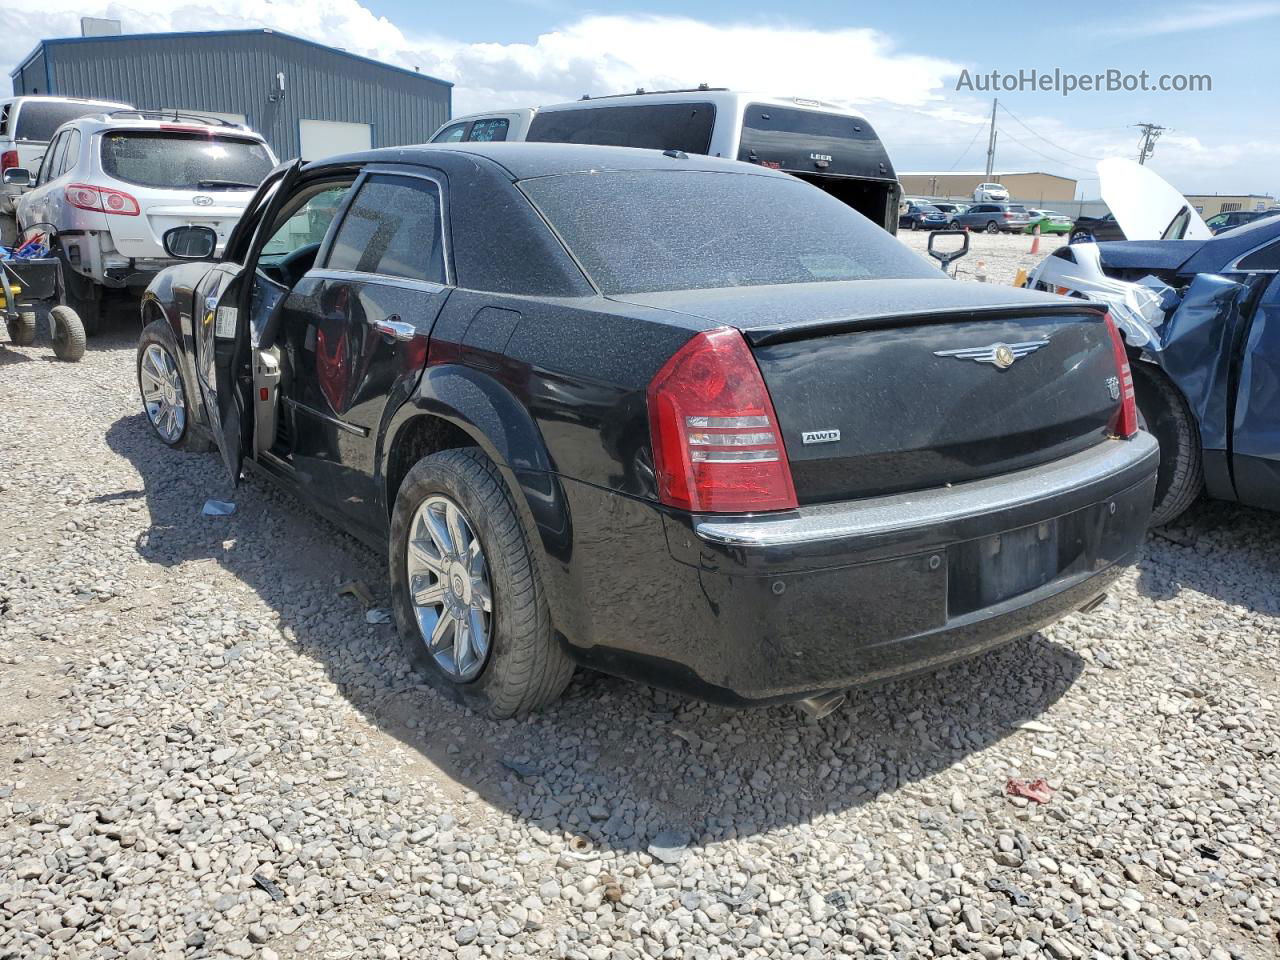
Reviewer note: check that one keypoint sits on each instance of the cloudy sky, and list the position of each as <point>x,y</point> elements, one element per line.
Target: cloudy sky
<point>898,62</point>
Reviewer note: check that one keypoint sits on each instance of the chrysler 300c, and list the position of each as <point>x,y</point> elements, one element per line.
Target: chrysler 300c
<point>680,419</point>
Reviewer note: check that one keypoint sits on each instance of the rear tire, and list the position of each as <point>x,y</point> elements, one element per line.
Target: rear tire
<point>22,329</point>
<point>68,334</point>
<point>993,227</point>
<point>84,297</point>
<point>1163,412</point>
<point>524,666</point>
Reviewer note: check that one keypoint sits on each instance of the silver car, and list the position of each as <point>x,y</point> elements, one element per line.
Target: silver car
<point>995,218</point>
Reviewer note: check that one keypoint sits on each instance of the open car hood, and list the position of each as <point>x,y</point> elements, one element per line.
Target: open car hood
<point>1145,205</point>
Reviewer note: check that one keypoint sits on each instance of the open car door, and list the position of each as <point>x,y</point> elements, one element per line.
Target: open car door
<point>222,341</point>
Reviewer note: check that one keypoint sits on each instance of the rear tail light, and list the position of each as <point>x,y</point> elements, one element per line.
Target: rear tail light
<point>716,442</point>
<point>86,196</point>
<point>1124,422</point>
<point>9,159</point>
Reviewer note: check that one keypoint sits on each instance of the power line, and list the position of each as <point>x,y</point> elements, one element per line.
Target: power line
<point>1027,146</point>
<point>965,153</point>
<point>1046,139</point>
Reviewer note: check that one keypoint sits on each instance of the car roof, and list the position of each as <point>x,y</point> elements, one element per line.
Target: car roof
<point>732,100</point>
<point>524,161</point>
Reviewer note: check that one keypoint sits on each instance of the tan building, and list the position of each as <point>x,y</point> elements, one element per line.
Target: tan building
<point>1211,204</point>
<point>1034,188</point>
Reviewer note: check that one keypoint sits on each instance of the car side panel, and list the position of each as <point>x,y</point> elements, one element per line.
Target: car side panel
<point>1256,427</point>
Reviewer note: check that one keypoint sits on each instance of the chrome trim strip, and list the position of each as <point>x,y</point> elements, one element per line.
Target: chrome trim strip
<point>926,508</point>
<point>354,276</point>
<point>340,424</point>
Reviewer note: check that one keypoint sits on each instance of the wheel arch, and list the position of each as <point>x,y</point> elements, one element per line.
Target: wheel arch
<point>457,406</point>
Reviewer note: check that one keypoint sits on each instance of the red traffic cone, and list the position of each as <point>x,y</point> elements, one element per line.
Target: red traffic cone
<point>1035,242</point>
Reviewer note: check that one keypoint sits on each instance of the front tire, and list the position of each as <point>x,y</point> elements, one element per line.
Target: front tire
<point>1080,236</point>
<point>68,334</point>
<point>164,392</point>
<point>1163,412</point>
<point>22,329</point>
<point>468,599</point>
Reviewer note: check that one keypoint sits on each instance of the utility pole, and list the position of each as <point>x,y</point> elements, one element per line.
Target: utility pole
<point>991,140</point>
<point>1150,134</point>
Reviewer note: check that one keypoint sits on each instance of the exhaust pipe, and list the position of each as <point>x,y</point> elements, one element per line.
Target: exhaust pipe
<point>824,704</point>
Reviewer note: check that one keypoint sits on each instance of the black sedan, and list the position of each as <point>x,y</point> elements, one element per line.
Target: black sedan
<point>676,418</point>
<point>923,216</point>
<point>1096,229</point>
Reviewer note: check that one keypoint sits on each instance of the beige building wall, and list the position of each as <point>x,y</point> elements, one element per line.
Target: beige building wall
<point>1041,189</point>
<point>1211,204</point>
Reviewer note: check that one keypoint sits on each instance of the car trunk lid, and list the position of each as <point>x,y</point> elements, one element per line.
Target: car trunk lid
<point>885,386</point>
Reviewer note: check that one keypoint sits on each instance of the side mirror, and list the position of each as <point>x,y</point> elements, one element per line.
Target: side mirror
<point>948,252</point>
<point>17,177</point>
<point>190,243</point>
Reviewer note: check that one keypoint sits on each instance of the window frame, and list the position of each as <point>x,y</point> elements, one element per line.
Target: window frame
<point>429,174</point>
<point>466,132</point>
<point>47,161</point>
<point>69,159</point>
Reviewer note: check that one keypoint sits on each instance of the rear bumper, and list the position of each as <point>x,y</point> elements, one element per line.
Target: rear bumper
<point>755,610</point>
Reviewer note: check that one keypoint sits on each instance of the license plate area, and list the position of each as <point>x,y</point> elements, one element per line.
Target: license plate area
<point>993,569</point>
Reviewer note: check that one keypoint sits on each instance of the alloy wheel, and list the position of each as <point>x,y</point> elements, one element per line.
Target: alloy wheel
<point>162,394</point>
<point>449,587</point>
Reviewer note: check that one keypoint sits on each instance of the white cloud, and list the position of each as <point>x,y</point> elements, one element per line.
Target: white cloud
<point>908,96</point>
<point>1197,17</point>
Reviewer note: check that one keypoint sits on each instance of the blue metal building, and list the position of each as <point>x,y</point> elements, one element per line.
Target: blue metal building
<point>307,99</point>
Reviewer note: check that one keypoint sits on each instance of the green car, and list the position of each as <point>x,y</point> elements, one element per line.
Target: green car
<point>1049,221</point>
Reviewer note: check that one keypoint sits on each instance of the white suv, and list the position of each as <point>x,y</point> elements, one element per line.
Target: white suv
<point>27,125</point>
<point>111,185</point>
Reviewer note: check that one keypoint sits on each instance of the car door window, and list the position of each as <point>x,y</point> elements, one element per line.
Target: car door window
<point>52,160</point>
<point>70,153</point>
<point>450,134</point>
<point>392,228</point>
<point>304,225</point>
<point>490,130</point>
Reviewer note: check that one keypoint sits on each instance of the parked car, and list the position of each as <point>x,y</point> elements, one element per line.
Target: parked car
<point>1049,221</point>
<point>923,216</point>
<point>27,125</point>
<point>821,143</point>
<point>690,408</point>
<point>1237,218</point>
<point>994,218</point>
<point>987,192</point>
<point>486,127</point>
<point>1204,354</point>
<point>1096,229</point>
<point>112,184</point>
<point>949,207</point>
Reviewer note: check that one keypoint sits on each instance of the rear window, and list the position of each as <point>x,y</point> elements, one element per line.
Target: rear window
<point>38,121</point>
<point>190,161</point>
<point>656,126</point>
<point>640,231</point>
<point>490,130</point>
<point>811,141</point>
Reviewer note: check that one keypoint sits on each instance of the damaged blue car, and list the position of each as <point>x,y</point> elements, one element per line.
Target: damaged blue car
<point>1201,321</point>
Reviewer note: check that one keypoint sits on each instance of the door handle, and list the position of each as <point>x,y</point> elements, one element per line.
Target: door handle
<point>394,327</point>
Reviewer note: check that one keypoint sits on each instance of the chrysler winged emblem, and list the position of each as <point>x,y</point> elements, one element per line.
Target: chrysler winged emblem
<point>999,355</point>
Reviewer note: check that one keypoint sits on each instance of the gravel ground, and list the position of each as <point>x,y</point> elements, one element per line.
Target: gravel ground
<point>206,750</point>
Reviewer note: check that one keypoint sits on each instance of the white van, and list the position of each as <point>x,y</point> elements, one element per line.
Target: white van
<point>822,143</point>
<point>27,125</point>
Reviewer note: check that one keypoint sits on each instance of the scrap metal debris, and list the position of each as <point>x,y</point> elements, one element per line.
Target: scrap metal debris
<point>377,615</point>
<point>1037,791</point>
<point>670,846</point>
<point>269,885</point>
<point>218,508</point>
<point>358,589</point>
<point>1016,896</point>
